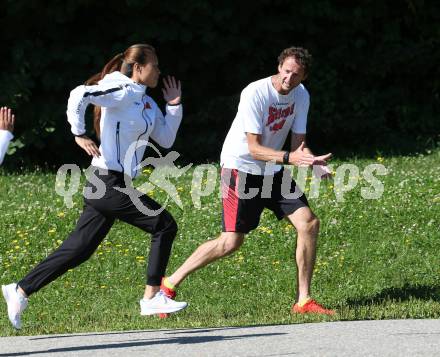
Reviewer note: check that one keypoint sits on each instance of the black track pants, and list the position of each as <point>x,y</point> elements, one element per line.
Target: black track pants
<point>92,227</point>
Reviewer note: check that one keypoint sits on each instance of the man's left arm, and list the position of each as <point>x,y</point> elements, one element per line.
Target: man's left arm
<point>298,131</point>
<point>320,169</point>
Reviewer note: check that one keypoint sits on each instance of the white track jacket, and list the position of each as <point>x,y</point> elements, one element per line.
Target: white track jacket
<point>129,117</point>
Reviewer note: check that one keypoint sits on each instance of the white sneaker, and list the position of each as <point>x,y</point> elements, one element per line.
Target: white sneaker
<point>16,304</point>
<point>160,304</point>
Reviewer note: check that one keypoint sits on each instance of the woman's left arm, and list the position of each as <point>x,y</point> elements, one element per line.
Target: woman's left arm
<point>165,128</point>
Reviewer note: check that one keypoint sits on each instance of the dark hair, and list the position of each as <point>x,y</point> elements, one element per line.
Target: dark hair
<point>302,56</point>
<point>123,62</point>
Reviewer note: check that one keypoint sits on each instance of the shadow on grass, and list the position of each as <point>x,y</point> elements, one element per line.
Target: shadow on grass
<point>141,343</point>
<point>404,293</point>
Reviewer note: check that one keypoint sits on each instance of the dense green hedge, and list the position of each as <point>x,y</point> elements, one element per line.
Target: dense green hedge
<point>374,84</point>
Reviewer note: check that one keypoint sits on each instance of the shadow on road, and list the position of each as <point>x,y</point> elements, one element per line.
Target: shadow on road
<point>142,343</point>
<point>166,331</point>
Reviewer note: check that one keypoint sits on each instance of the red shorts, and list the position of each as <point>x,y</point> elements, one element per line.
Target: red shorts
<point>244,196</point>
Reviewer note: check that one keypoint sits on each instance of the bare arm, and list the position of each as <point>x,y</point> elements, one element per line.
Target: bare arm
<point>320,170</point>
<point>259,152</point>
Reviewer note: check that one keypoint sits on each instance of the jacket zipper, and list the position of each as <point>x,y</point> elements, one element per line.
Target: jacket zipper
<point>118,146</point>
<point>146,130</point>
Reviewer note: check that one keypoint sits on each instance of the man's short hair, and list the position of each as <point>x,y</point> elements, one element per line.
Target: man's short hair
<point>301,55</point>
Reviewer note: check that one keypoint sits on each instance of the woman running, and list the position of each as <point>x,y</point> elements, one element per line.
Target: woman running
<point>125,117</point>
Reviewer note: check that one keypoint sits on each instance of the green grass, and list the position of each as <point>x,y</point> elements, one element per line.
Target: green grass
<point>377,259</point>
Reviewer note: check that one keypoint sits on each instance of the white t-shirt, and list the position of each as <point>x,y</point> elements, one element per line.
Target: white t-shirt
<point>262,110</point>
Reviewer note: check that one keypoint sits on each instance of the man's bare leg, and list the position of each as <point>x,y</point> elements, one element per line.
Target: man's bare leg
<point>307,226</point>
<point>225,244</point>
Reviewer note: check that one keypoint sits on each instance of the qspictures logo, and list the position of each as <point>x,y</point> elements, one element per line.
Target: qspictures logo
<point>206,178</point>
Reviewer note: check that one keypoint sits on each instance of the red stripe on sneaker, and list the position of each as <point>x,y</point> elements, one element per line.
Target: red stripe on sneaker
<point>230,200</point>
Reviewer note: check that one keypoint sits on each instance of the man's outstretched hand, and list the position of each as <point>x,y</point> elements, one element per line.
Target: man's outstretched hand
<point>301,158</point>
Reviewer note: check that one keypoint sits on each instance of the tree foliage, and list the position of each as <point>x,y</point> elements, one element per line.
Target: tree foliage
<point>374,84</point>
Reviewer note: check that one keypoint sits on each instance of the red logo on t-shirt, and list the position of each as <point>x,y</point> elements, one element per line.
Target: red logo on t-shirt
<point>278,113</point>
<point>147,105</point>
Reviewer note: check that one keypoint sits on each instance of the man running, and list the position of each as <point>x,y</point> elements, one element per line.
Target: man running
<point>269,108</point>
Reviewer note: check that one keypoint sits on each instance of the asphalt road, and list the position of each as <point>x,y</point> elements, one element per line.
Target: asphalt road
<point>356,338</point>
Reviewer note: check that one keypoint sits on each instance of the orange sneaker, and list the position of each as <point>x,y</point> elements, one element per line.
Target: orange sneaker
<point>170,293</point>
<point>311,307</point>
